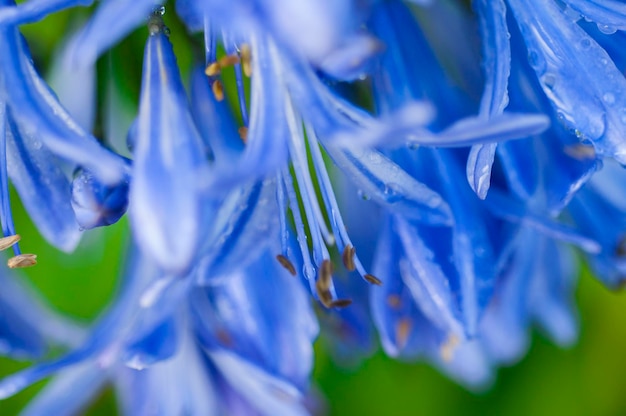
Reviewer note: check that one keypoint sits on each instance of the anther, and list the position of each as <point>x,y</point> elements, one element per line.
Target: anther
<point>218,90</point>
<point>348,257</point>
<point>394,301</point>
<point>340,303</point>
<point>228,60</point>
<point>284,261</point>
<point>213,69</point>
<point>22,260</point>
<point>403,327</point>
<point>246,59</point>
<point>322,285</point>
<point>580,152</point>
<point>243,134</point>
<point>373,279</point>
<point>6,242</point>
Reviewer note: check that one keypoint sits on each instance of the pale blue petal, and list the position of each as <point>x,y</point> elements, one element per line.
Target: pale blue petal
<point>610,15</point>
<point>39,113</point>
<point>43,188</point>
<point>576,74</point>
<point>379,178</point>
<point>168,164</point>
<point>34,10</point>
<point>113,20</point>
<point>269,395</point>
<point>84,381</point>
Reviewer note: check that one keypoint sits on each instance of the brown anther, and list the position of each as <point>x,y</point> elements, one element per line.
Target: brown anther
<point>348,258</point>
<point>447,349</point>
<point>373,279</point>
<point>580,152</point>
<point>340,303</point>
<point>394,301</point>
<point>228,60</point>
<point>284,261</point>
<point>246,59</point>
<point>6,242</point>
<point>213,69</point>
<point>22,260</point>
<point>403,327</point>
<point>243,133</point>
<point>218,90</point>
<point>324,280</point>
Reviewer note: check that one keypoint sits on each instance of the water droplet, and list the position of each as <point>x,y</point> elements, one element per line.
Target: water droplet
<point>572,14</point>
<point>160,10</point>
<point>585,43</point>
<point>363,195</point>
<point>548,80</point>
<point>608,98</point>
<point>606,29</point>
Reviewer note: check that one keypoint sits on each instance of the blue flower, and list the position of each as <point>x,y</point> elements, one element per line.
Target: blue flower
<point>445,222</point>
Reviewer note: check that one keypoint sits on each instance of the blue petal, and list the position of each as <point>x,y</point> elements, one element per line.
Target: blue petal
<point>496,64</point>
<point>379,178</point>
<point>96,204</point>
<point>158,344</point>
<point>269,395</point>
<point>43,188</point>
<point>471,247</point>
<point>576,74</point>
<point>168,162</point>
<point>180,385</point>
<point>39,113</point>
<point>244,226</point>
<point>610,15</point>
<point>54,398</point>
<point>34,10</point>
<point>263,314</point>
<point>113,20</point>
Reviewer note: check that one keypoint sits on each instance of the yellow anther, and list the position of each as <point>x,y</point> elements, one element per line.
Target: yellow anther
<point>22,260</point>
<point>246,59</point>
<point>213,69</point>
<point>6,242</point>
<point>218,90</point>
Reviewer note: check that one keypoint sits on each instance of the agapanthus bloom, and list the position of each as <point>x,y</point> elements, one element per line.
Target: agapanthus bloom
<point>418,174</point>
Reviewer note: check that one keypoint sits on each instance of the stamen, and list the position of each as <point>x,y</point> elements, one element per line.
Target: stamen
<point>322,285</point>
<point>284,261</point>
<point>580,152</point>
<point>6,242</point>
<point>403,328</point>
<point>218,90</point>
<point>341,303</point>
<point>22,260</point>
<point>282,215</point>
<point>348,257</point>
<point>297,149</point>
<point>228,60</point>
<point>213,69</point>
<point>394,301</point>
<point>246,59</point>
<point>336,221</point>
<point>6,217</point>
<point>372,279</point>
<point>309,270</point>
<point>243,134</point>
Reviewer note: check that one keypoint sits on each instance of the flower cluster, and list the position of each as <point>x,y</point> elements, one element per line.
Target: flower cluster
<point>423,172</point>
